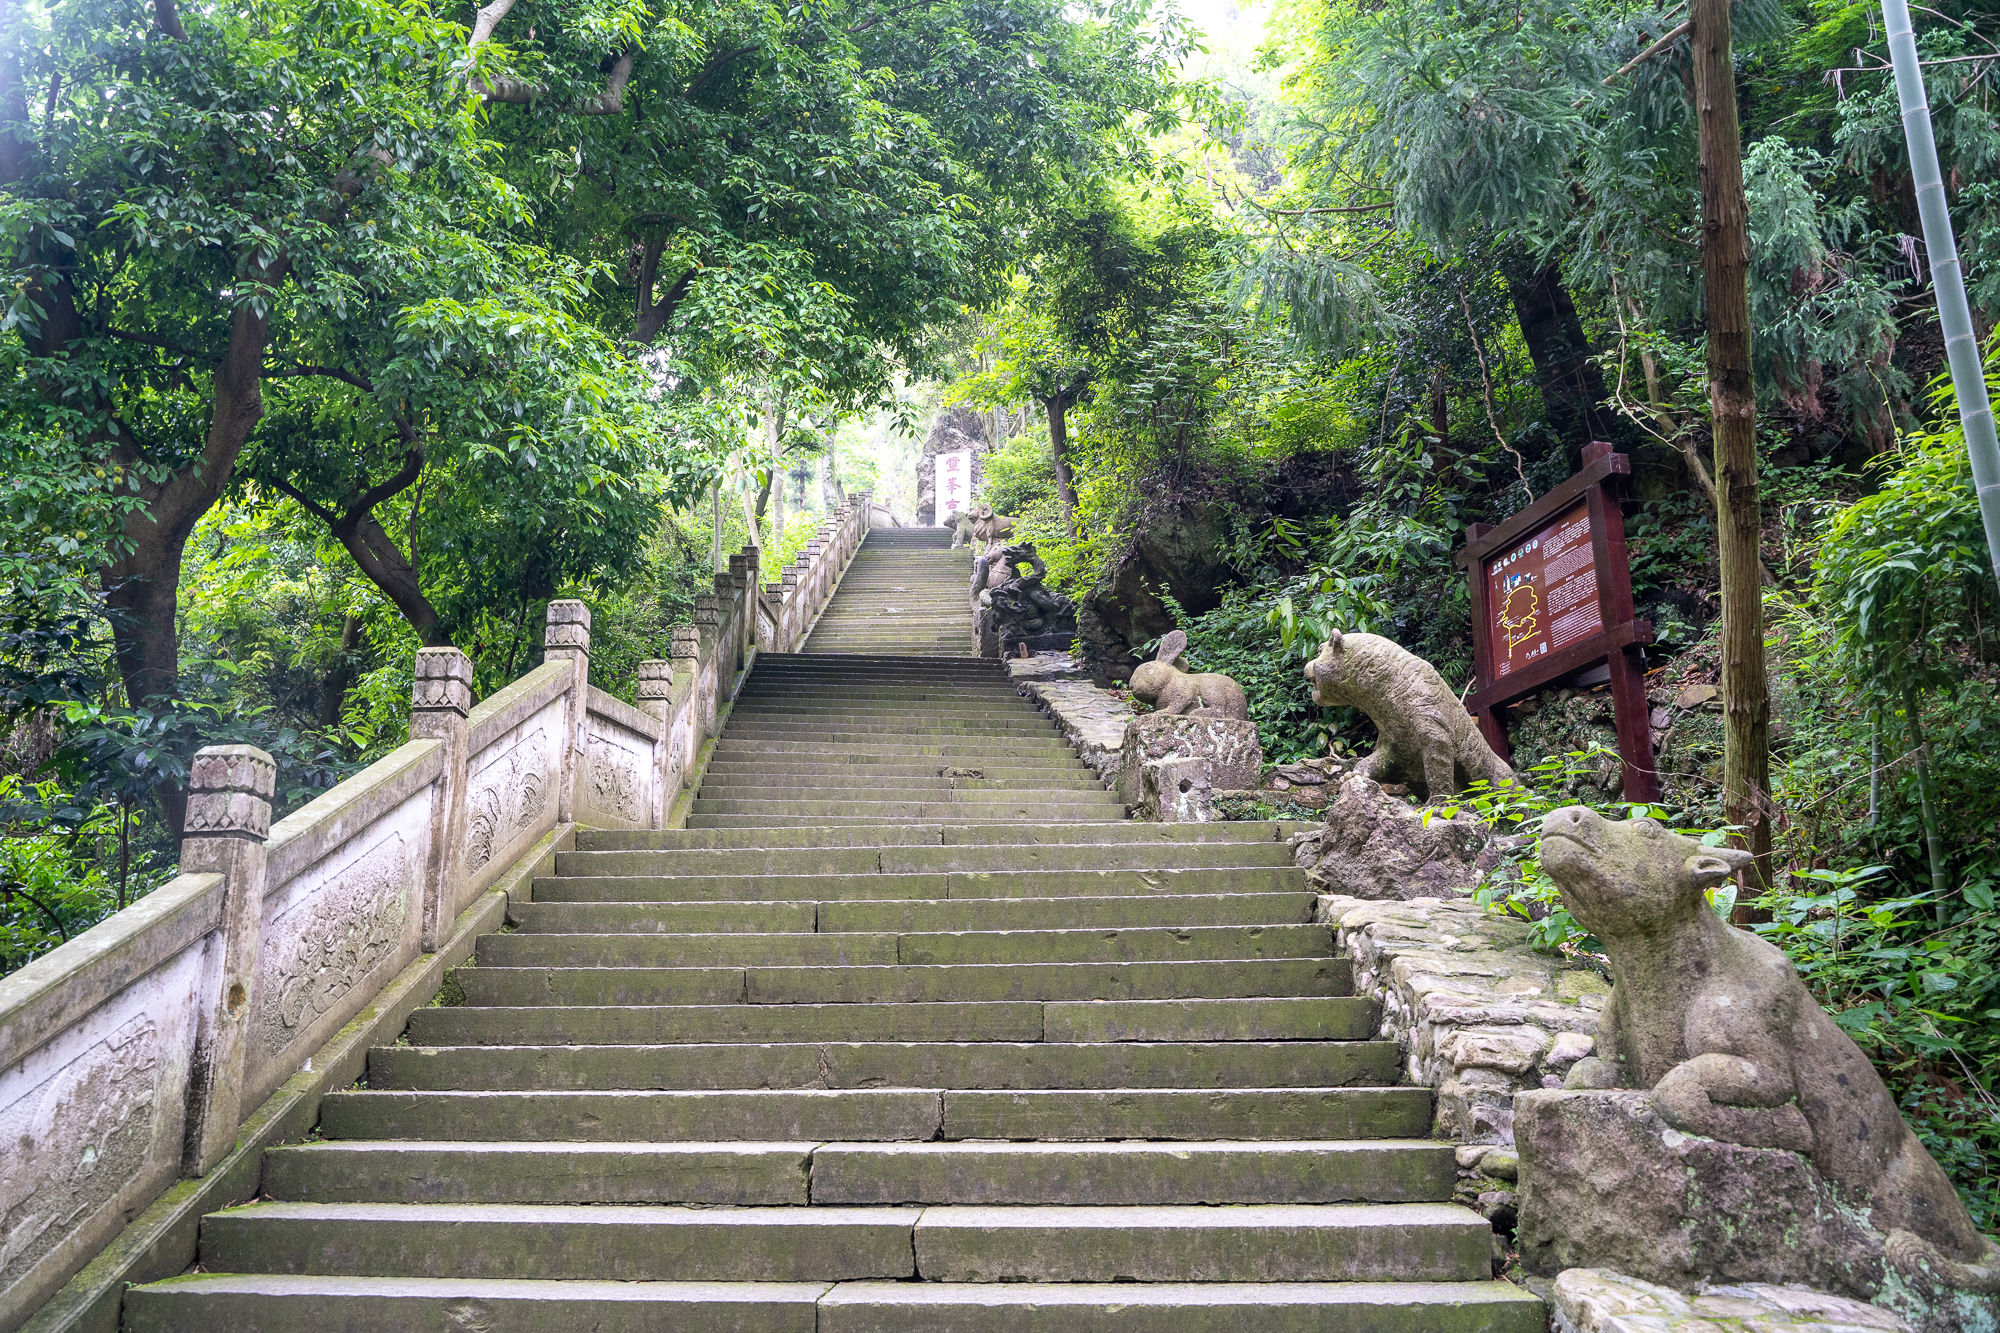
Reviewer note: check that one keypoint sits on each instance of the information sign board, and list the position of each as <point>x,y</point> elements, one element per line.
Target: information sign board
<point>1551,597</point>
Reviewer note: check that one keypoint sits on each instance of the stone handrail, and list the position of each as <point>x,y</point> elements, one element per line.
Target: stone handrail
<point>789,605</point>
<point>131,1056</point>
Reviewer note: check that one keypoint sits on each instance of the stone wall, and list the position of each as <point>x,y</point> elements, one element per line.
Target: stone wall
<point>1093,720</point>
<point>1479,1014</point>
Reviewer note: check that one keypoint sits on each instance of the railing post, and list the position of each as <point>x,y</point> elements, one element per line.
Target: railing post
<point>656,696</point>
<point>707,683</point>
<point>228,823</point>
<point>727,631</point>
<point>440,697</point>
<point>743,589</point>
<point>790,623</point>
<point>567,638</point>
<point>815,551</point>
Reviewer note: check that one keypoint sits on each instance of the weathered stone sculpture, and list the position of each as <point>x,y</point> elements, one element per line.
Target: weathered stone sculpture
<point>1714,1028</point>
<point>1426,739</point>
<point>979,526</point>
<point>1171,690</point>
<point>1023,611</point>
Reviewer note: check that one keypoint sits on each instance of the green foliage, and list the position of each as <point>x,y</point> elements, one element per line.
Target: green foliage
<point>55,883</point>
<point>1924,1002</point>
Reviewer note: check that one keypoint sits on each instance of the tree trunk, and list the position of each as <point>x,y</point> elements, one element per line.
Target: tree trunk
<point>1057,405</point>
<point>143,586</point>
<point>1440,411</point>
<point>375,551</point>
<point>340,677</point>
<point>774,487</point>
<point>1725,264</point>
<point>1573,391</point>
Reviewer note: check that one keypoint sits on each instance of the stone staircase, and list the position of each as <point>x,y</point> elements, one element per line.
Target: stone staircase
<point>906,592</point>
<point>908,1030</point>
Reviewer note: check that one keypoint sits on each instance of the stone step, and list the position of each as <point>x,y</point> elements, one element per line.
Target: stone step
<point>799,1173</point>
<point>1167,1307</point>
<point>946,1243</point>
<point>926,643</point>
<point>949,702</point>
<point>1173,911</point>
<point>1134,1174</point>
<point>858,776</point>
<point>766,783</point>
<point>939,885</point>
<point>673,918</point>
<point>801,740</point>
<point>924,835</point>
<point>899,983</point>
<point>1284,1019</point>
<point>285,1303</point>
<point>871,695</point>
<point>1069,789</point>
<point>622,949</point>
<point>1084,810</point>
<point>618,1242</point>
<point>870,1114</point>
<point>419,1171</point>
<point>1020,1066</point>
<point>964,814</point>
<point>650,1116</point>
<point>918,859</point>
<point>914,728</point>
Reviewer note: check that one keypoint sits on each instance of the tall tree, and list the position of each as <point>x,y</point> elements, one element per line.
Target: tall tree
<point>170,182</point>
<point>1732,396</point>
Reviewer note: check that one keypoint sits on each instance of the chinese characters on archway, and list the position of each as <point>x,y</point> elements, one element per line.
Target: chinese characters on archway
<point>954,483</point>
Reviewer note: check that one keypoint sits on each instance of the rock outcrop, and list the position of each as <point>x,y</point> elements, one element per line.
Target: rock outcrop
<point>1373,844</point>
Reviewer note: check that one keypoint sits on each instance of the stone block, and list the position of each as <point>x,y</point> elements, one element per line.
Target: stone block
<point>1230,746</point>
<point>1606,1182</point>
<point>1599,1300</point>
<point>1177,790</point>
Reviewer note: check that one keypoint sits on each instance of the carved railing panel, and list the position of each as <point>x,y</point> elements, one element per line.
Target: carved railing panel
<point>95,1050</point>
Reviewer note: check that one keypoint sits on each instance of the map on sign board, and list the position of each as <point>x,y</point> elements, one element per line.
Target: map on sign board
<point>954,483</point>
<point>1542,593</point>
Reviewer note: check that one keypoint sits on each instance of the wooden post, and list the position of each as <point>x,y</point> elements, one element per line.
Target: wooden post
<point>1490,724</point>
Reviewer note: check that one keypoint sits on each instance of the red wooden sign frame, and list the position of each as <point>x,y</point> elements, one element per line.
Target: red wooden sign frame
<point>1617,642</point>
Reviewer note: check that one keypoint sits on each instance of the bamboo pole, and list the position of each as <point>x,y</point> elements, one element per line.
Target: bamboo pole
<point>1961,345</point>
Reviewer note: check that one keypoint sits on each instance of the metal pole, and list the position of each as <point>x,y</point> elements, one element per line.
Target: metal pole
<point>1968,373</point>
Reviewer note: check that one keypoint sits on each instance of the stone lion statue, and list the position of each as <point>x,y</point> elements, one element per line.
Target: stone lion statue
<point>1168,689</point>
<point>1425,738</point>
<point>1716,1022</point>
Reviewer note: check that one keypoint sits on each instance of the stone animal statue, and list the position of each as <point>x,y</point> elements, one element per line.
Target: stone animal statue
<point>1716,1023</point>
<point>1171,690</point>
<point>1014,590</point>
<point>978,525</point>
<point>1425,738</point>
